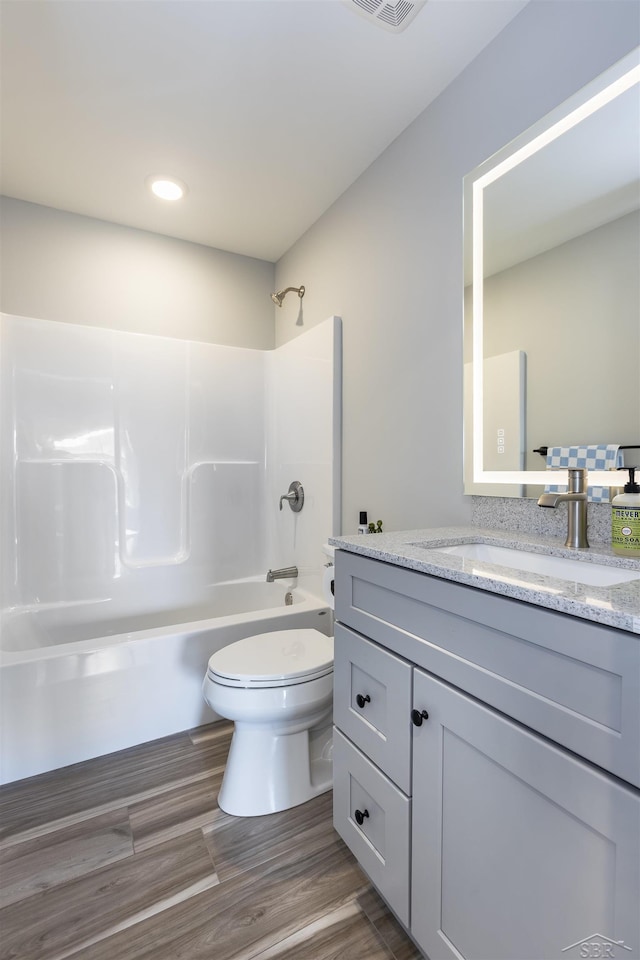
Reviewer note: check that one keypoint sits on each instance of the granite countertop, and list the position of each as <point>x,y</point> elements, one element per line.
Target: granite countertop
<point>616,606</point>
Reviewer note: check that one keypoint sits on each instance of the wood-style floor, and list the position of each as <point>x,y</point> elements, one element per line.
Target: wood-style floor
<point>128,857</point>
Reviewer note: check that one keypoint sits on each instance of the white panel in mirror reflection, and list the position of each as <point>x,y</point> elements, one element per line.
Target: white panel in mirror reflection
<point>126,453</point>
<point>504,419</point>
<point>622,80</point>
<point>574,380</point>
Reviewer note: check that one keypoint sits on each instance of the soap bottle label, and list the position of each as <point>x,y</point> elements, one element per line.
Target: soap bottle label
<point>625,529</point>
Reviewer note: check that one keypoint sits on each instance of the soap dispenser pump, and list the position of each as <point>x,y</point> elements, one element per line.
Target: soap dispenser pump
<point>625,518</point>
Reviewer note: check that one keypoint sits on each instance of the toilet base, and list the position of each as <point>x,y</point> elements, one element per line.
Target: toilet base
<point>267,772</point>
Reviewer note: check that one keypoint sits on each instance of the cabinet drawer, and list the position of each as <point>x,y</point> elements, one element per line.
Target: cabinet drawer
<point>372,703</point>
<point>381,842</point>
<point>574,681</point>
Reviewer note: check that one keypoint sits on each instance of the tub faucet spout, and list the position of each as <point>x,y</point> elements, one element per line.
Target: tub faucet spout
<point>284,573</point>
<point>576,500</point>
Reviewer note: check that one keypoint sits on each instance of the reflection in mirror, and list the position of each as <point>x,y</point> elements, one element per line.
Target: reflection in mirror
<point>552,290</point>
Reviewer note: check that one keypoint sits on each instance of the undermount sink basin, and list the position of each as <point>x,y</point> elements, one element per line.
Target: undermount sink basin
<point>563,568</point>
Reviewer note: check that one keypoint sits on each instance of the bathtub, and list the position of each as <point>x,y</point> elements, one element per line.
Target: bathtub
<point>82,680</point>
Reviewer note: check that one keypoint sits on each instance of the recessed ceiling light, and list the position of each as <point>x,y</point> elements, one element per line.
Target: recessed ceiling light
<point>167,188</point>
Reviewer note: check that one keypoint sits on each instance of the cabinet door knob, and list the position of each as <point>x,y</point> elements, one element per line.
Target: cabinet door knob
<point>417,716</point>
<point>360,816</point>
<point>360,700</point>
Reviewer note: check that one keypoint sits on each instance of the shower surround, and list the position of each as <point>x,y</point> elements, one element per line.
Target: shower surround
<point>139,474</point>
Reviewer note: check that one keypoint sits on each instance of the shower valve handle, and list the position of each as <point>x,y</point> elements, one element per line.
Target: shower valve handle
<point>295,496</point>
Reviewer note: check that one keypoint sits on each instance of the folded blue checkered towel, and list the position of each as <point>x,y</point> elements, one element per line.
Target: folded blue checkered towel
<point>600,456</point>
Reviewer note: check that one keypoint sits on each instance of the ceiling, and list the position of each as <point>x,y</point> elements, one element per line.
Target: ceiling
<point>267,109</point>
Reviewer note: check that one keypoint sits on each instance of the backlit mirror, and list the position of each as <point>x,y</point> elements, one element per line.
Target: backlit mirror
<point>552,290</point>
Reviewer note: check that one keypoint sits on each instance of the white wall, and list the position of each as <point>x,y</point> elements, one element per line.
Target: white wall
<point>388,255</point>
<point>75,269</point>
<point>578,325</point>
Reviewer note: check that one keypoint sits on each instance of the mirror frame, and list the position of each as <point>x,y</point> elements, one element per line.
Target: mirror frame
<point>616,80</point>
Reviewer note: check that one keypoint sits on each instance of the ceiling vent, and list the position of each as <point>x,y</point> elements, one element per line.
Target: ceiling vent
<point>393,15</point>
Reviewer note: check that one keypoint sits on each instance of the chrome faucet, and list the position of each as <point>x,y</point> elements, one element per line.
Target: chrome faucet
<point>285,573</point>
<point>576,500</point>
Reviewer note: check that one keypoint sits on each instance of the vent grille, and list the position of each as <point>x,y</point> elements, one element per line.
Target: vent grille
<point>369,6</point>
<point>394,15</point>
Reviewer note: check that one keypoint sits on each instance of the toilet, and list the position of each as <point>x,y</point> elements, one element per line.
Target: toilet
<point>278,689</point>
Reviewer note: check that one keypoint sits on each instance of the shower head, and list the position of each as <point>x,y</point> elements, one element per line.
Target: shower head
<point>281,294</point>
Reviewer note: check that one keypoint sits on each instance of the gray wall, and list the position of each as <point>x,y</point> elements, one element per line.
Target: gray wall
<point>60,266</point>
<point>574,311</point>
<point>387,257</point>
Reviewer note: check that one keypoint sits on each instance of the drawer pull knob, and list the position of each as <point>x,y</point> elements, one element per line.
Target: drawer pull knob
<point>417,716</point>
<point>360,816</point>
<point>360,700</point>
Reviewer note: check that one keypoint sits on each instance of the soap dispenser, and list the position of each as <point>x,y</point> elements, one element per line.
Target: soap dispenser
<point>625,518</point>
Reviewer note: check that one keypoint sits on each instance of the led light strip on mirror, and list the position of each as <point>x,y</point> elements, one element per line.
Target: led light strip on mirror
<point>606,88</point>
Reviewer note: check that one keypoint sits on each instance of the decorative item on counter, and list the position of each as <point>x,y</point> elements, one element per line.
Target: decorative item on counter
<point>362,526</point>
<point>375,527</point>
<point>625,518</point>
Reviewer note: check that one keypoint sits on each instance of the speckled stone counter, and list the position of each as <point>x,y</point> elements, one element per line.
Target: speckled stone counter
<point>616,606</point>
<point>519,513</point>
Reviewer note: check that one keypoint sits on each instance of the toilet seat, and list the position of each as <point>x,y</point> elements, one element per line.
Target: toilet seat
<point>278,659</point>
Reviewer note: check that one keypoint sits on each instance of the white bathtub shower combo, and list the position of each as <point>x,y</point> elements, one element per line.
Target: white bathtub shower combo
<point>140,514</point>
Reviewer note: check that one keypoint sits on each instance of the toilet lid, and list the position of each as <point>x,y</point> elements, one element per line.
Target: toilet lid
<point>275,659</point>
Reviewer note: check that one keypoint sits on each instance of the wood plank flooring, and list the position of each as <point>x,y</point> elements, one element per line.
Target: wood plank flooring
<point>128,857</point>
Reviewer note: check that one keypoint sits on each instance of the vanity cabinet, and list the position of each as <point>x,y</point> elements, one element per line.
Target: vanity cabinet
<point>479,821</point>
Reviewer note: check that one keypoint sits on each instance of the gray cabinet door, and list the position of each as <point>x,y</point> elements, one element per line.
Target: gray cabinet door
<point>520,850</point>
